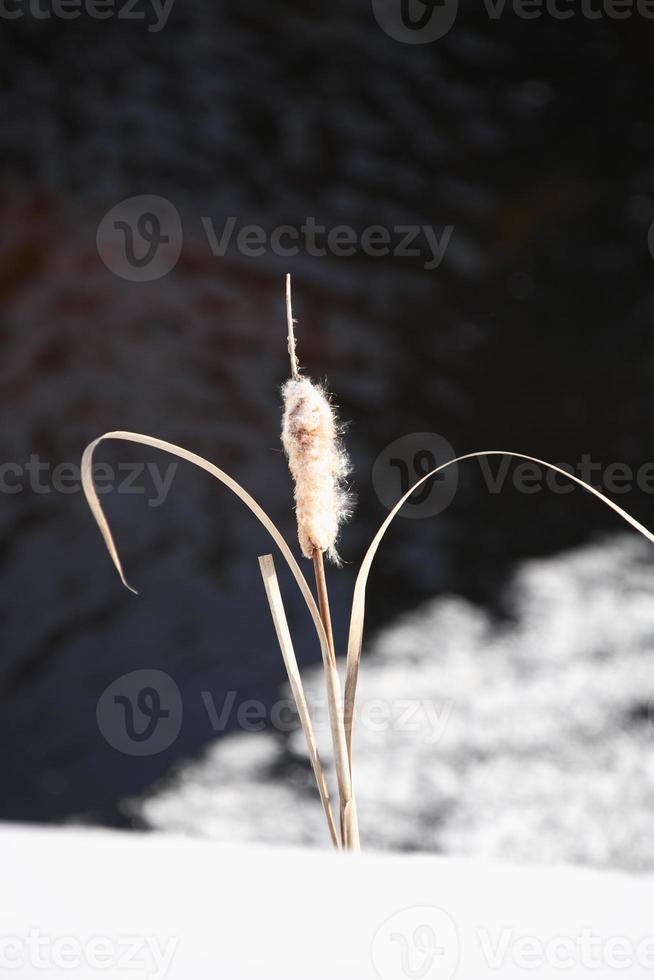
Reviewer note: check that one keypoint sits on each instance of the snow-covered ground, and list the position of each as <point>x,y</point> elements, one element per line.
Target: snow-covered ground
<point>529,739</point>
<point>82,903</point>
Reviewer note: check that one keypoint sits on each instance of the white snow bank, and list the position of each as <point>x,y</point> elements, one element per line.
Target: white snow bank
<point>75,900</point>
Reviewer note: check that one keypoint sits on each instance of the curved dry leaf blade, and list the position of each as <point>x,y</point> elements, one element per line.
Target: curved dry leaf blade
<point>355,638</point>
<point>204,464</point>
<point>224,478</point>
<point>278,613</point>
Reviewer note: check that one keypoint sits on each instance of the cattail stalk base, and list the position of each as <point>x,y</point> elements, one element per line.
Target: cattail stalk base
<point>348,815</point>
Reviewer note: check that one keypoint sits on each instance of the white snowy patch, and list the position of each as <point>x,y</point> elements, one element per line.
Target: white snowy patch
<point>157,907</point>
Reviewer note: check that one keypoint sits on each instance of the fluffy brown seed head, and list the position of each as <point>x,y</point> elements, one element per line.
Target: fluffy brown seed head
<point>318,464</point>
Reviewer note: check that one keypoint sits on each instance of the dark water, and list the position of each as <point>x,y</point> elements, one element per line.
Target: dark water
<point>533,139</point>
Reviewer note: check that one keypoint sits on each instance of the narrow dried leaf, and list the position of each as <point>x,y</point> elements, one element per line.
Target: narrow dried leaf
<point>225,479</point>
<point>357,617</point>
<point>278,613</point>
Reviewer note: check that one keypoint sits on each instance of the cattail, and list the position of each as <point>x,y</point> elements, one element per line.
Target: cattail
<point>318,464</point>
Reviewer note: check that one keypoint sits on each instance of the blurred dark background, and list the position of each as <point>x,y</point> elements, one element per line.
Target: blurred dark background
<point>533,138</point>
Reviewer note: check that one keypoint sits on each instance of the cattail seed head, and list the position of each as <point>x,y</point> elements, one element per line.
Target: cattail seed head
<point>318,464</point>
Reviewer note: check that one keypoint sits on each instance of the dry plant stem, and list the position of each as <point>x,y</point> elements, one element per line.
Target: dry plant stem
<point>355,639</point>
<point>323,599</point>
<point>291,333</point>
<point>348,817</point>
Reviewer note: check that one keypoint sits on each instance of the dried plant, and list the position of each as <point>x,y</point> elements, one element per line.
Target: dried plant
<point>318,465</point>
